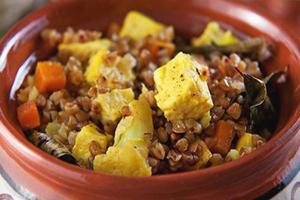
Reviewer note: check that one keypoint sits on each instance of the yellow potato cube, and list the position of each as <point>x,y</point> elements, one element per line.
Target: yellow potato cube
<point>118,72</point>
<point>83,140</point>
<point>182,89</point>
<point>138,26</point>
<point>244,141</point>
<point>214,34</point>
<point>92,73</point>
<point>83,51</point>
<point>111,103</point>
<point>128,156</point>
<point>122,161</point>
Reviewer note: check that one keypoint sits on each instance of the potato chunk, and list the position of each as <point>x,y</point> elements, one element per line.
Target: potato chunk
<point>249,142</point>
<point>244,142</point>
<point>214,34</point>
<point>118,72</point>
<point>138,26</point>
<point>83,51</point>
<point>111,103</point>
<point>182,89</point>
<point>83,140</point>
<point>128,156</point>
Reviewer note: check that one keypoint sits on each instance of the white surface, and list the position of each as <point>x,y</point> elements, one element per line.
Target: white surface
<point>286,193</point>
<point>5,188</point>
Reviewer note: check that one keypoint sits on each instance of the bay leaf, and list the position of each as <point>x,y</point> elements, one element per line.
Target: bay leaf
<point>254,48</point>
<point>259,93</point>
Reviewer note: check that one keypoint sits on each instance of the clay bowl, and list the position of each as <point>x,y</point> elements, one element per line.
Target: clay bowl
<point>49,178</point>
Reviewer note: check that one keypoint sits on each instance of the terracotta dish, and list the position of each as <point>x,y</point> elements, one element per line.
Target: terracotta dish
<point>256,175</point>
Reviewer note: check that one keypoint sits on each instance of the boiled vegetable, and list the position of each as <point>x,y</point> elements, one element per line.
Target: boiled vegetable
<point>233,154</point>
<point>28,115</point>
<point>111,103</point>
<point>49,76</point>
<point>138,26</point>
<point>83,141</point>
<point>83,51</point>
<point>128,156</point>
<point>249,141</point>
<point>224,135</point>
<point>244,142</point>
<point>179,81</point>
<point>52,128</point>
<point>213,34</point>
<point>119,71</point>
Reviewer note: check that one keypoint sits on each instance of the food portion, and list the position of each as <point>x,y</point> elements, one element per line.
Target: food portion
<point>139,100</point>
<point>179,81</point>
<point>128,156</point>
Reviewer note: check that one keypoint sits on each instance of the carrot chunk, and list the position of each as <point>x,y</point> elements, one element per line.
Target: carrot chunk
<point>155,45</point>
<point>28,115</point>
<point>224,135</point>
<point>49,77</point>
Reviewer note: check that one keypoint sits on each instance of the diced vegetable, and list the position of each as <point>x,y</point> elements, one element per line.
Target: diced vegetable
<point>137,125</point>
<point>28,115</point>
<point>233,154</point>
<point>179,81</point>
<point>244,142</point>
<point>138,26</point>
<point>83,51</point>
<point>128,155</point>
<point>49,77</point>
<point>52,128</point>
<point>224,135</point>
<point>83,140</point>
<point>214,34</point>
<point>119,71</point>
<point>33,94</point>
<point>155,45</point>
<point>92,72</point>
<point>204,121</point>
<point>111,103</point>
<point>206,155</point>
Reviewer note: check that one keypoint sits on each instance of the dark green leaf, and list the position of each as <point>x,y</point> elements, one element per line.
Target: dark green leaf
<point>263,115</point>
<point>49,145</point>
<point>271,79</point>
<point>255,48</point>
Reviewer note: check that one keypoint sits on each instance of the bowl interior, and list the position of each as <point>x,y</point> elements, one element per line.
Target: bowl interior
<point>22,46</point>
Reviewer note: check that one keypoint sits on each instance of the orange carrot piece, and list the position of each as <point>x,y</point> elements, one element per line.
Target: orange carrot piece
<point>49,77</point>
<point>28,115</point>
<point>224,136</point>
<point>155,45</point>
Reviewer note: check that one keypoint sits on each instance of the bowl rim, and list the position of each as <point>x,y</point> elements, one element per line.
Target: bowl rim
<point>12,135</point>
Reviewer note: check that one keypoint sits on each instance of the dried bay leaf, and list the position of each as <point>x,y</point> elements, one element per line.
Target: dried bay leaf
<point>255,48</point>
<point>259,94</point>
